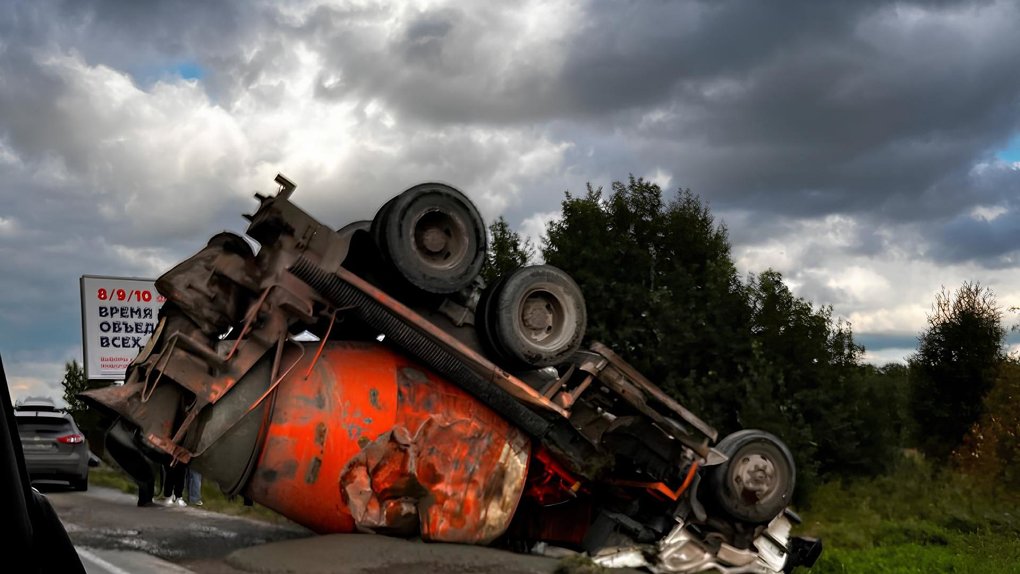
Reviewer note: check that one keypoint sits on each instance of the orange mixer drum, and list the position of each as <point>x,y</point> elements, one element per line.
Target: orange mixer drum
<point>368,440</point>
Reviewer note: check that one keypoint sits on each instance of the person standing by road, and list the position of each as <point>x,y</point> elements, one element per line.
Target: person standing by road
<point>119,443</point>
<point>194,487</point>
<point>173,483</point>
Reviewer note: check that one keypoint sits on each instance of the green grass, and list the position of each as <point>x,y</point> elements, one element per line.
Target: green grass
<point>112,478</point>
<point>966,553</point>
<point>213,498</point>
<point>916,519</point>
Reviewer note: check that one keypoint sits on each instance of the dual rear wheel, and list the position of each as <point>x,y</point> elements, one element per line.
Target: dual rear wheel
<point>433,237</point>
<point>533,317</point>
<point>435,240</point>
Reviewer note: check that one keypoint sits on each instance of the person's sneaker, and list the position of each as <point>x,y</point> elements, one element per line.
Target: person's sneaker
<point>199,503</point>
<point>180,502</point>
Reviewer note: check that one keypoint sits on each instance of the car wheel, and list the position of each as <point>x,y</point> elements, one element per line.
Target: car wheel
<point>80,484</point>
<point>538,316</point>
<point>757,481</point>
<point>433,236</point>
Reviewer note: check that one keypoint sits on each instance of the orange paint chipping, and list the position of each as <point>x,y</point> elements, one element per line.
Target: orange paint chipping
<point>371,441</point>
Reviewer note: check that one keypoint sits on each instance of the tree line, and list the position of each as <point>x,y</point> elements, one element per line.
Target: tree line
<point>745,352</point>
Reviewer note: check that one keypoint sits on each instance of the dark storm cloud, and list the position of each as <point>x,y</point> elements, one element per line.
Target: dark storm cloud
<point>826,107</point>
<point>83,186</point>
<point>833,107</point>
<point>994,242</point>
<point>60,139</point>
<point>443,66</point>
<point>876,110</point>
<point>631,54</point>
<point>821,107</point>
<point>989,232</point>
<point>147,39</point>
<point>882,118</point>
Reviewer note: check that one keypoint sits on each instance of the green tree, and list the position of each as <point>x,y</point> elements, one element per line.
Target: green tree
<point>507,251</point>
<point>992,446</point>
<point>955,366</point>
<point>73,382</point>
<point>890,386</point>
<point>91,422</point>
<point>661,289</point>
<point>810,387</point>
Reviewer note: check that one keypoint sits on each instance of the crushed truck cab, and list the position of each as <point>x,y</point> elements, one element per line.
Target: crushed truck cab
<point>367,379</point>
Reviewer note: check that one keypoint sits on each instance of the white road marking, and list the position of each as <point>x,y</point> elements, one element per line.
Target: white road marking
<point>126,562</point>
<point>106,566</point>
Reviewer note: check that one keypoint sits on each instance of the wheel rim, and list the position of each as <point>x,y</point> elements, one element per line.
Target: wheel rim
<point>542,319</point>
<point>537,316</point>
<point>439,240</point>
<point>759,478</point>
<point>754,478</point>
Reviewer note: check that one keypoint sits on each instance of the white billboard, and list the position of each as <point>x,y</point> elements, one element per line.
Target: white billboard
<point>118,314</point>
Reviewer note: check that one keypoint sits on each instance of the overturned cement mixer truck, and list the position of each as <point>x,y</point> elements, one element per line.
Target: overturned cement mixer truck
<point>421,402</point>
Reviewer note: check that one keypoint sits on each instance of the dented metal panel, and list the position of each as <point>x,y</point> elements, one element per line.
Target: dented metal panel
<point>454,480</point>
<point>371,441</point>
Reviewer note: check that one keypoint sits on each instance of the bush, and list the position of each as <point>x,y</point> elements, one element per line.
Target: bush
<point>992,447</point>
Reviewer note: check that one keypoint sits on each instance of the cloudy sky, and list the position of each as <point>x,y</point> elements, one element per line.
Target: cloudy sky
<point>869,151</point>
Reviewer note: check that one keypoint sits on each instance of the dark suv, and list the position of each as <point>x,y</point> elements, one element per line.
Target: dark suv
<point>54,447</point>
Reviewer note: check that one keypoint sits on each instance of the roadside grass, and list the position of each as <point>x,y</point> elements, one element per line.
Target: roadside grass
<point>112,478</point>
<point>985,553</point>
<point>917,519</point>
<point>213,498</point>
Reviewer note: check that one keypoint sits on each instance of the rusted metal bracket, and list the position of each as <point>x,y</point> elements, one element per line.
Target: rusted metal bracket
<point>646,389</point>
<point>661,488</point>
<point>471,358</point>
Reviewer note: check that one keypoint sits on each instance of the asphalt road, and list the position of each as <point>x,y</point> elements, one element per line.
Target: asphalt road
<point>110,531</point>
<point>114,536</point>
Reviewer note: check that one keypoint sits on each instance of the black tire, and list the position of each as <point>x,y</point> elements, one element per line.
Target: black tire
<point>539,316</point>
<point>757,481</point>
<point>485,322</point>
<point>80,484</point>
<point>433,236</point>
<point>377,229</point>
